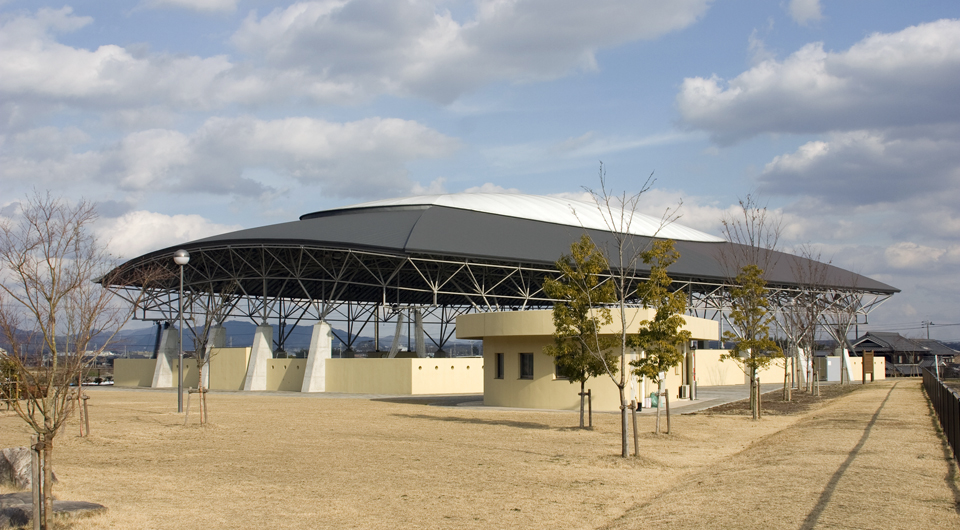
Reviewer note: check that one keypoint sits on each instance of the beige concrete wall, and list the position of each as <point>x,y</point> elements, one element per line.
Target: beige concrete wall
<point>879,369</point>
<point>773,373</point>
<point>512,333</point>
<point>457,375</point>
<point>133,372</point>
<point>711,371</point>
<point>191,377</point>
<point>369,376</point>
<point>285,374</point>
<point>228,367</point>
<point>451,375</point>
<point>544,391</point>
<point>478,326</point>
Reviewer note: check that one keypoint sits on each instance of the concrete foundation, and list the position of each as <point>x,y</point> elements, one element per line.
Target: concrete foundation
<point>260,352</point>
<point>217,340</point>
<point>321,348</point>
<point>166,357</point>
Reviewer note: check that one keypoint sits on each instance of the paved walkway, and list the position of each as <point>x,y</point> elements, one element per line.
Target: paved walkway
<point>707,396</point>
<point>871,459</point>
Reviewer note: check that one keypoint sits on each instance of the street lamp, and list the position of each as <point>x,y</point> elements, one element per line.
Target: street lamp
<point>181,258</point>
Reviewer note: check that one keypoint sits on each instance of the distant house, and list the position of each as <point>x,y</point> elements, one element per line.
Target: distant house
<point>904,356</point>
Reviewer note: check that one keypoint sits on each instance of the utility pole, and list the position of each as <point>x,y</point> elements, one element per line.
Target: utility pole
<point>936,360</point>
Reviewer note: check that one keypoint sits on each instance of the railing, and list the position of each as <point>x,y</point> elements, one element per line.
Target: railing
<point>946,402</point>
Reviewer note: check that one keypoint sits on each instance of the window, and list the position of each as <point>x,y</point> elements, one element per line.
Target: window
<point>557,375</point>
<point>526,366</point>
<point>499,373</point>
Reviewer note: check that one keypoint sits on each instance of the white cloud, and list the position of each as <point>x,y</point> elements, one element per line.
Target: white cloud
<point>758,49</point>
<point>204,6</point>
<point>592,145</point>
<point>331,51</point>
<point>489,187</point>
<point>139,232</point>
<point>241,156</point>
<point>34,67</point>
<point>888,79</point>
<point>870,167</point>
<point>415,47</point>
<point>908,255</point>
<point>804,12</point>
<point>435,187</point>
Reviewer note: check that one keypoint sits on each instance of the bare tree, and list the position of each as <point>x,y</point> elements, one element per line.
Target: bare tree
<point>755,233</point>
<point>841,313</point>
<point>800,314</point>
<point>53,315</point>
<point>623,254</point>
<point>214,306</point>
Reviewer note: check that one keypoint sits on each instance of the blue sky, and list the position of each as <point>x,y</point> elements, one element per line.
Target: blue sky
<point>186,118</point>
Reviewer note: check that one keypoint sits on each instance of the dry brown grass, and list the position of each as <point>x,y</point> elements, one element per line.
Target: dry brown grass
<point>304,462</point>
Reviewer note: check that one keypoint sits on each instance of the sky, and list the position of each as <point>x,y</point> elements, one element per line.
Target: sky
<point>189,118</point>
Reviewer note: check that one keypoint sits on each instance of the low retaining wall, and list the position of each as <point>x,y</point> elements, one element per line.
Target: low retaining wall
<point>452,375</point>
<point>412,376</point>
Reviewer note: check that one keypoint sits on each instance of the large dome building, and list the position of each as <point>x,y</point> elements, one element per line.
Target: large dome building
<point>433,258</point>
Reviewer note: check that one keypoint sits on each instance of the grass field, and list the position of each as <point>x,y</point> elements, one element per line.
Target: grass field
<point>870,459</point>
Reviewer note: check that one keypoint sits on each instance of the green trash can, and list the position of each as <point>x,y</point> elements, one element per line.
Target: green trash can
<point>654,400</point>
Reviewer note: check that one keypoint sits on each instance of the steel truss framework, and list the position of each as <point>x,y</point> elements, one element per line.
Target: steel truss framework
<point>362,289</point>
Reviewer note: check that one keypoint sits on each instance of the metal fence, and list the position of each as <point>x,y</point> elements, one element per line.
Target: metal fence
<point>946,402</point>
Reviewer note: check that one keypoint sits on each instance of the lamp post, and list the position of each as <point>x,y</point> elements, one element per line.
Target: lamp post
<point>181,258</point>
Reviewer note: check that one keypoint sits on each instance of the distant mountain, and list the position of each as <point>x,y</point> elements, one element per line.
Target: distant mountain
<point>240,334</point>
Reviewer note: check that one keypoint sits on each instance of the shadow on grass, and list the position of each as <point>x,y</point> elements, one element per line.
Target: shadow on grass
<point>824,500</point>
<point>436,401</point>
<point>478,421</point>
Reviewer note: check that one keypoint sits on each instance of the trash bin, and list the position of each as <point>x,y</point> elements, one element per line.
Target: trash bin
<point>654,400</point>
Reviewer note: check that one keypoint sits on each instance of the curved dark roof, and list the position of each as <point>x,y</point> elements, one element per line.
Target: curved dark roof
<point>432,230</point>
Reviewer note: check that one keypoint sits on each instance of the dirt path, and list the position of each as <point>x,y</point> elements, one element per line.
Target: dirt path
<point>871,459</point>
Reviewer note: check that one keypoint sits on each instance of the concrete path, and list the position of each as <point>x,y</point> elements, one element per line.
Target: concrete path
<point>711,396</point>
<point>871,459</point>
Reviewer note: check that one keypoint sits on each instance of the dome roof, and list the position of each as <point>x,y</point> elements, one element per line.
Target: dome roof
<point>499,233</point>
<point>555,210</point>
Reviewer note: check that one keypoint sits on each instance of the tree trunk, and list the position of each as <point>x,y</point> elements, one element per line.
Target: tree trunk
<point>787,372</point>
<point>582,396</point>
<point>203,396</point>
<point>36,474</point>
<point>82,411</point>
<point>624,445</point>
<point>659,399</point>
<point>47,492</point>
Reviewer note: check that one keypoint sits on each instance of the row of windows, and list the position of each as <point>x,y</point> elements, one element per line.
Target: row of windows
<point>526,367</point>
